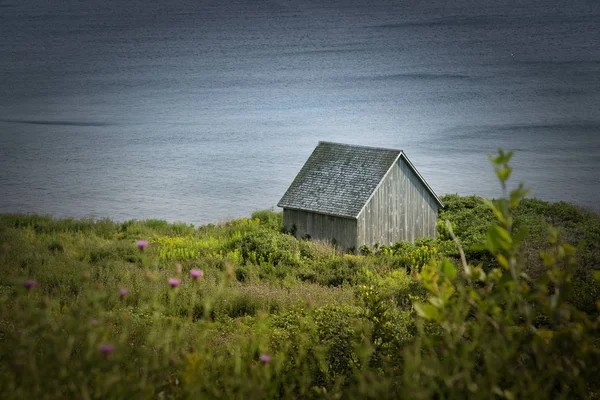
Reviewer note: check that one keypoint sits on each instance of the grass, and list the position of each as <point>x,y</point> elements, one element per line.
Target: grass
<point>274,317</point>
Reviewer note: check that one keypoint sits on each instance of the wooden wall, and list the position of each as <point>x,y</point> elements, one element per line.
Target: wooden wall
<point>341,231</point>
<point>400,209</point>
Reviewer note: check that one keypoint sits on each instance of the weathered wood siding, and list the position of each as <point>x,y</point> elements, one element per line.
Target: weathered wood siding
<point>401,209</point>
<point>338,230</point>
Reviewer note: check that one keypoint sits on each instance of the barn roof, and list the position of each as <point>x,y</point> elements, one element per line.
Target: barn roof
<point>339,179</point>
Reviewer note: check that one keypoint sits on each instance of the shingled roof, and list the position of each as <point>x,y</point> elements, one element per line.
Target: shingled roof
<point>338,179</point>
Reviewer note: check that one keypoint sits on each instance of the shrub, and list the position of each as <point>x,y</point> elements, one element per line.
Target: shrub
<point>414,256</point>
<point>391,328</point>
<point>335,327</point>
<point>365,250</point>
<point>56,247</point>
<point>269,219</point>
<point>336,271</point>
<point>317,250</point>
<point>402,288</point>
<point>500,333</point>
<point>270,247</point>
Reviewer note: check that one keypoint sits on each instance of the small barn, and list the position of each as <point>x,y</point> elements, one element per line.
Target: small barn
<point>354,195</point>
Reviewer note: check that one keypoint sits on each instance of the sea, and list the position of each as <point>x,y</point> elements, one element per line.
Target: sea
<point>201,111</point>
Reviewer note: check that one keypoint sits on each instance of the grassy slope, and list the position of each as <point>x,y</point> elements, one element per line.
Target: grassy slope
<point>260,289</point>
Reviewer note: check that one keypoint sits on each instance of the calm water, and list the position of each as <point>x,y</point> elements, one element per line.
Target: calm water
<point>198,111</point>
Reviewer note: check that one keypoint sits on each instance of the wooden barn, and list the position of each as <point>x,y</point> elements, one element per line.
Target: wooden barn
<point>354,195</point>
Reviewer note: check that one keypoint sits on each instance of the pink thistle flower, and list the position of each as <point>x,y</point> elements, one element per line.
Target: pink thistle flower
<point>94,321</point>
<point>174,282</point>
<point>196,273</point>
<point>123,292</point>
<point>265,358</point>
<point>142,244</point>
<point>106,348</point>
<point>30,284</point>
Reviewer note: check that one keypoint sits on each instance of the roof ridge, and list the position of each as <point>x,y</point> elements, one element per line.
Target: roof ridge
<point>360,146</point>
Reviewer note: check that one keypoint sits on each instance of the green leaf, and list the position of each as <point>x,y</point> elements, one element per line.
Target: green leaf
<point>427,311</point>
<point>497,212</point>
<point>504,174</point>
<point>494,160</point>
<point>502,233</point>
<point>552,235</point>
<point>437,302</point>
<point>503,206</point>
<point>502,261</point>
<point>473,294</point>
<point>502,158</point>
<point>517,194</point>
<point>448,269</point>
<point>569,250</point>
<point>597,276</point>
<point>479,246</point>
<point>498,238</point>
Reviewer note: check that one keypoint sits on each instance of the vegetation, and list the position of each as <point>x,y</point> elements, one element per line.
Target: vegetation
<point>99,309</point>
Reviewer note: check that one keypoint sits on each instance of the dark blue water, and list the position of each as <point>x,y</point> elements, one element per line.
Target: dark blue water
<point>202,110</point>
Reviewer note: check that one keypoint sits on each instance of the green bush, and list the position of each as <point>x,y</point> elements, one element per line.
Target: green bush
<point>269,219</point>
<point>391,329</point>
<point>365,250</point>
<point>336,271</point>
<point>584,293</point>
<point>500,333</point>
<point>270,247</point>
<point>336,331</point>
<point>317,250</point>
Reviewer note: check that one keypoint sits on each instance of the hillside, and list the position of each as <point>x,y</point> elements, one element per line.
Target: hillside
<point>100,309</point>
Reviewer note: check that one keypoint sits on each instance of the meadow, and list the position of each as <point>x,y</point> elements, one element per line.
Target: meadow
<point>498,306</point>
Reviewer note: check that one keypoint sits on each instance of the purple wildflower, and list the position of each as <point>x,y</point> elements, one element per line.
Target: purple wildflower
<point>142,244</point>
<point>30,284</point>
<point>94,322</point>
<point>174,282</point>
<point>106,348</point>
<point>196,273</point>
<point>265,358</point>
<point>123,292</point>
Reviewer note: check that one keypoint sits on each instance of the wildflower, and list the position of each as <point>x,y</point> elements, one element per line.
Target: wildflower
<point>123,292</point>
<point>196,273</point>
<point>174,282</point>
<point>265,358</point>
<point>106,348</point>
<point>30,284</point>
<point>142,244</point>
<point>94,322</point>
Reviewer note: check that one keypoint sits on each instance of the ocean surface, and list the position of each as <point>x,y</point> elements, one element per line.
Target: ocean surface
<point>200,111</point>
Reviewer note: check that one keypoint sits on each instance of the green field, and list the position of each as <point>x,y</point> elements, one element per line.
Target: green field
<point>88,312</point>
